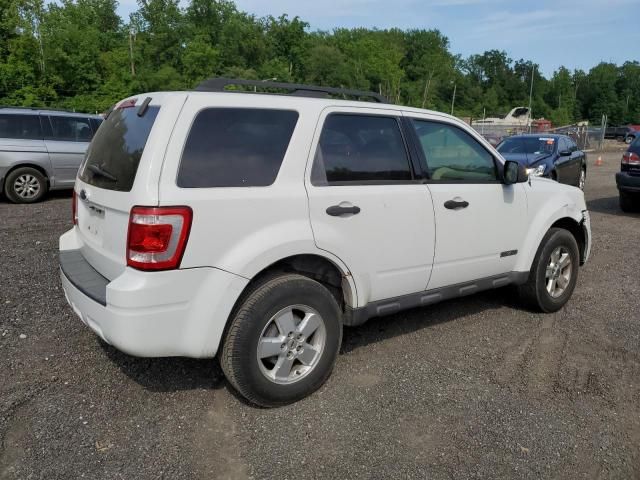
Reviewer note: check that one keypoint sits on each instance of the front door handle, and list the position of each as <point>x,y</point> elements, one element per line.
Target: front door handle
<point>337,210</point>
<point>454,204</point>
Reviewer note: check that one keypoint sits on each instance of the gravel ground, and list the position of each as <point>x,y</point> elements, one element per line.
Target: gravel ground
<point>472,388</point>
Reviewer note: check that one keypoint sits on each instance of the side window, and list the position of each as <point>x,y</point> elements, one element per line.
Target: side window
<point>358,149</point>
<point>452,154</point>
<point>236,147</point>
<point>95,124</point>
<point>572,145</point>
<point>24,127</point>
<point>71,129</point>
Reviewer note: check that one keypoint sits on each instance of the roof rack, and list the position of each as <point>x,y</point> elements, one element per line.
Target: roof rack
<point>218,85</point>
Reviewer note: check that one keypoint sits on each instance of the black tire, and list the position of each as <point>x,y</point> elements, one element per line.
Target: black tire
<point>33,175</point>
<point>628,203</point>
<point>534,292</point>
<point>239,354</point>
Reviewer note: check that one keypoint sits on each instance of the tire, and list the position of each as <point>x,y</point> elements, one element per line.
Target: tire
<point>264,381</point>
<point>628,203</point>
<point>25,185</point>
<point>629,139</point>
<point>535,293</point>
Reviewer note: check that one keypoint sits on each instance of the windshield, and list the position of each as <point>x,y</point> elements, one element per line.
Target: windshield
<point>532,145</point>
<point>113,156</point>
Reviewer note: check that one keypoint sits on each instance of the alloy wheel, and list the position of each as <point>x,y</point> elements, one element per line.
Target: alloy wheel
<point>291,344</point>
<point>559,271</point>
<point>26,186</point>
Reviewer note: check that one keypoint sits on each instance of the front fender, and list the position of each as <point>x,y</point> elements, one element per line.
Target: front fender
<point>548,202</point>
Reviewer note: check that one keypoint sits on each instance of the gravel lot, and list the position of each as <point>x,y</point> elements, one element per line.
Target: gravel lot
<point>472,388</point>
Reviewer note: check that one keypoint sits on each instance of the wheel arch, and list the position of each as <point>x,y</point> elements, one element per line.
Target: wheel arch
<point>330,273</point>
<point>35,166</point>
<point>539,228</point>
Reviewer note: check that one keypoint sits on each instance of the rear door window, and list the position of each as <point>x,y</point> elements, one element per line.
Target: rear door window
<point>114,154</point>
<point>360,149</point>
<point>235,147</point>
<point>22,127</point>
<point>71,129</point>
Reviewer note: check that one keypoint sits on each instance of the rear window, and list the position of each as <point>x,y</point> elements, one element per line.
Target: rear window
<point>235,147</point>
<point>114,154</point>
<point>23,127</point>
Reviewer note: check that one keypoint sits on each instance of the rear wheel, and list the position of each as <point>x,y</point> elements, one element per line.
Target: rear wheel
<point>628,203</point>
<point>283,340</point>
<point>554,272</point>
<point>25,185</point>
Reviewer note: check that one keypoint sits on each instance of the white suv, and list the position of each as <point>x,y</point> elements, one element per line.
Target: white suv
<point>255,226</point>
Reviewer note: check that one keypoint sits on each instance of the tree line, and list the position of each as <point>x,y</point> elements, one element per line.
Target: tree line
<point>80,55</point>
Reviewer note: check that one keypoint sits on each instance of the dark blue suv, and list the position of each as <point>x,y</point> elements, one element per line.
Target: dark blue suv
<point>547,155</point>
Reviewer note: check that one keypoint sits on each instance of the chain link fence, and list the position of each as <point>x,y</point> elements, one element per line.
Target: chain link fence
<point>586,137</point>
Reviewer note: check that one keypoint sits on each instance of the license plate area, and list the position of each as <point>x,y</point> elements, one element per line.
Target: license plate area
<point>92,223</point>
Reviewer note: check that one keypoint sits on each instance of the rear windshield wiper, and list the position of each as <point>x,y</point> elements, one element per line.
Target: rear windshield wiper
<point>102,172</point>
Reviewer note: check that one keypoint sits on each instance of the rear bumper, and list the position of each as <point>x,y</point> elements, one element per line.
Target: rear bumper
<point>628,183</point>
<point>154,314</point>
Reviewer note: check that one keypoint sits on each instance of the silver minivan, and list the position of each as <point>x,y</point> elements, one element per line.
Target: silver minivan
<point>41,150</point>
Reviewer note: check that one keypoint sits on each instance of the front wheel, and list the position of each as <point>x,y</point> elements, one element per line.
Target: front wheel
<point>283,340</point>
<point>554,272</point>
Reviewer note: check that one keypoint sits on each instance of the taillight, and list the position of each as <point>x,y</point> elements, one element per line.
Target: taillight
<point>630,158</point>
<point>74,208</point>
<point>157,237</point>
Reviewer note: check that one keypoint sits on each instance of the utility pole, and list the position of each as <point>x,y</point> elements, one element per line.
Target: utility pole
<point>132,38</point>
<point>453,99</point>
<point>533,70</point>
<point>426,89</point>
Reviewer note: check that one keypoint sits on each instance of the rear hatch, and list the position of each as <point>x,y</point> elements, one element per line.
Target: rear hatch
<point>121,170</point>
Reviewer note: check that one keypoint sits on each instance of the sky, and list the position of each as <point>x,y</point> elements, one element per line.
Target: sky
<point>574,33</point>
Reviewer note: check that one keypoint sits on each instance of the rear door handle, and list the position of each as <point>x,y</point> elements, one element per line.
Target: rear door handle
<point>454,204</point>
<point>337,210</point>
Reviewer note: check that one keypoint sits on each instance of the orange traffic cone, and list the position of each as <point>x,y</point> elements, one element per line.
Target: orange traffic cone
<point>599,161</point>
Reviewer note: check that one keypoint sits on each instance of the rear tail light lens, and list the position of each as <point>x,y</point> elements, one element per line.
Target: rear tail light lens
<point>157,237</point>
<point>630,158</point>
<point>74,208</point>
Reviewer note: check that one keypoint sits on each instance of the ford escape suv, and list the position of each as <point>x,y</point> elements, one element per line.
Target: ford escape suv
<point>254,226</point>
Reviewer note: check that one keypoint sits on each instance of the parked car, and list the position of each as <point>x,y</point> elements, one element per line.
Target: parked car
<point>628,179</point>
<point>255,226</point>
<point>547,155</point>
<point>625,133</point>
<point>41,150</point>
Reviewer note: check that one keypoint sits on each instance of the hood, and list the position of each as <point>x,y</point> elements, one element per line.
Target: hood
<point>526,159</point>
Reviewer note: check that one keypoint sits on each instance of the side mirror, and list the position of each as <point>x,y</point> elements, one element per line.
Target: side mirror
<point>565,153</point>
<point>514,172</point>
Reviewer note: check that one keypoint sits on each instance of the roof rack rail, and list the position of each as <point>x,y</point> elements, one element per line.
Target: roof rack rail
<point>218,84</point>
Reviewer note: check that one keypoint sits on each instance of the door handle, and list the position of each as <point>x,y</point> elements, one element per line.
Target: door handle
<point>337,210</point>
<point>453,204</point>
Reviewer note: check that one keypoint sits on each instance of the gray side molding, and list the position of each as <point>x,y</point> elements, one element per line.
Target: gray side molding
<point>358,316</point>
